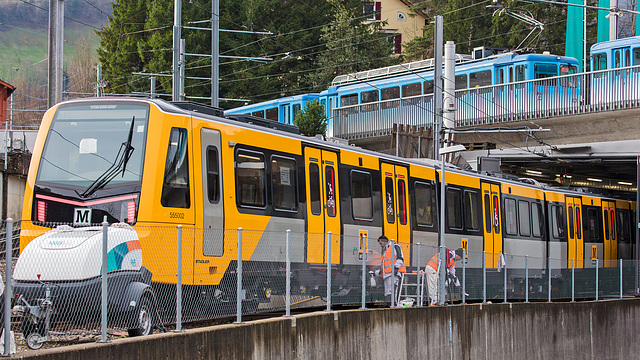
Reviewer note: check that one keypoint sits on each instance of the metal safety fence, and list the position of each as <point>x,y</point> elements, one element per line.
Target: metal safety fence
<point>110,280</point>
<point>582,93</point>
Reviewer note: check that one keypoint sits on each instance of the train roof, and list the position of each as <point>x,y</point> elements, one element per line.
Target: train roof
<point>462,62</point>
<point>612,44</point>
<point>199,111</point>
<point>274,102</point>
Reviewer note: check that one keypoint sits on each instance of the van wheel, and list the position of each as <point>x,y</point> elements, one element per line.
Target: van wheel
<point>143,318</point>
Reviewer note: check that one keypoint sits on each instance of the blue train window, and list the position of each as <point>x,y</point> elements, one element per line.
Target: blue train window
<point>390,94</point>
<point>461,82</point>
<point>480,79</point>
<point>347,100</point>
<point>541,70</point>
<point>600,61</point>
<point>520,74</point>
<point>272,114</point>
<point>636,57</point>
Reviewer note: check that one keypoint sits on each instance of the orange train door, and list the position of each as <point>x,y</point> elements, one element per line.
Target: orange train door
<point>610,240</point>
<point>395,189</point>
<point>575,240</point>
<point>323,205</point>
<point>492,221</point>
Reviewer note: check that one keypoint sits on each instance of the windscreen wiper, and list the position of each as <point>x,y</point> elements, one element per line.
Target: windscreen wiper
<point>120,162</point>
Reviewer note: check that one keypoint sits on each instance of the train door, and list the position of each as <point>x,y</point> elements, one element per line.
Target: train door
<point>213,208</point>
<point>492,227</point>
<point>575,240</point>
<point>610,238</point>
<point>396,194</point>
<point>323,210</point>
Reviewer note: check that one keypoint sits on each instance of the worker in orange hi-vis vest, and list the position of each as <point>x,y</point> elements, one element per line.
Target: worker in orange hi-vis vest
<point>387,262</point>
<point>432,272</point>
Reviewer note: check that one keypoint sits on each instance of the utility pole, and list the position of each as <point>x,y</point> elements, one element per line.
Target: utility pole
<point>215,52</point>
<point>56,36</point>
<point>177,34</point>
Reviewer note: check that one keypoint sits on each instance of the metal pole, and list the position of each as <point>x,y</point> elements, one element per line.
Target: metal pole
<point>98,80</point>
<point>418,278</point>
<point>397,138</point>
<point>183,65</point>
<point>364,271</point>
<point>620,278</point>
<point>484,277</point>
<point>179,280</point>
<point>105,244</point>
<point>637,223</point>
<point>442,275</point>
<point>504,268</point>
<point>573,280</point>
<point>177,35</point>
<point>437,84</point>
<point>549,271</point>
<point>56,41</point>
<point>393,273</point>
<point>7,286</point>
<point>215,51</point>
<point>597,261</point>
<point>464,275</point>
<point>239,280</point>
<point>153,87</point>
<point>329,271</point>
<point>288,295</point>
<point>526,278</point>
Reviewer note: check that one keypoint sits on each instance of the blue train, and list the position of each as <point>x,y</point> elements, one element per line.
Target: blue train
<point>402,86</point>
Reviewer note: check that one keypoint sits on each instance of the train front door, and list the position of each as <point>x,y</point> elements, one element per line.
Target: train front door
<point>575,240</point>
<point>323,206</point>
<point>492,227</point>
<point>610,241</point>
<point>395,191</point>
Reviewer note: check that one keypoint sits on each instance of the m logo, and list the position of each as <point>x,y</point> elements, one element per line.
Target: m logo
<point>81,216</point>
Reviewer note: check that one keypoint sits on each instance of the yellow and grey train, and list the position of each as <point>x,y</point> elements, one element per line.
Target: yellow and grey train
<point>148,165</point>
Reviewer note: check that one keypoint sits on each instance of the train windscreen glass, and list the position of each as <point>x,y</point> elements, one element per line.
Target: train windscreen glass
<point>88,143</point>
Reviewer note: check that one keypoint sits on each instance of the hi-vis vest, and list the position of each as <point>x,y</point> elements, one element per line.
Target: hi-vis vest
<point>436,259</point>
<point>387,261</point>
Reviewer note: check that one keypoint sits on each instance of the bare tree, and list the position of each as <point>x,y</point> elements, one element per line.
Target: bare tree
<point>81,73</point>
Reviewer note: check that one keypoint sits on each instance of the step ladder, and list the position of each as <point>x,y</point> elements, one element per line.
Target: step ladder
<point>412,285</point>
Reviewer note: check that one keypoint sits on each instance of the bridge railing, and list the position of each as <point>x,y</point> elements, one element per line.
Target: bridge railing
<point>565,95</point>
<point>207,274</point>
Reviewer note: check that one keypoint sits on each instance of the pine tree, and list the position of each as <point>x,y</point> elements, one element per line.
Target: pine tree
<point>312,120</point>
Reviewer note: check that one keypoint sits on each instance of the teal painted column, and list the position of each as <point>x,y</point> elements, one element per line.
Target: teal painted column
<point>575,33</point>
<point>603,22</point>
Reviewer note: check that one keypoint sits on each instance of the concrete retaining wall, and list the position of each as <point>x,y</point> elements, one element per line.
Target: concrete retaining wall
<point>586,331</point>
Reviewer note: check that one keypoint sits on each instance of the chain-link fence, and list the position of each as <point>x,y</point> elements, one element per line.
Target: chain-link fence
<point>113,280</point>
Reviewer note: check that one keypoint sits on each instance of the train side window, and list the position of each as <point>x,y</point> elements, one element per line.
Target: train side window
<point>284,184</point>
<point>361,196</point>
<point>425,204</point>
<point>635,60</point>
<point>349,100</point>
<point>175,187</point>
<point>570,214</point>
<point>510,74</point>
<point>472,210</point>
<point>578,223</point>
<point>536,217</point>
<point>402,201</point>
<point>487,213</point>
<point>511,216</point>
<point>295,109</point>
<point>557,221</point>
<point>544,71</point>
<point>520,76</point>
<point>454,211</point>
<point>428,87</point>
<point>258,113</point>
<point>314,189</point>
<point>272,114</point>
<point>390,94</point>
<point>624,235</point>
<point>330,178</point>
<point>617,59</point>
<point>250,174</point>
<point>613,225</point>
<point>480,79</point>
<point>524,218</point>
<point>213,175</point>
<point>461,81</point>
<point>627,57</point>
<point>369,97</point>
<point>390,203</point>
<point>414,89</point>
<point>568,70</point>
<point>606,224</point>
<point>593,225</point>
